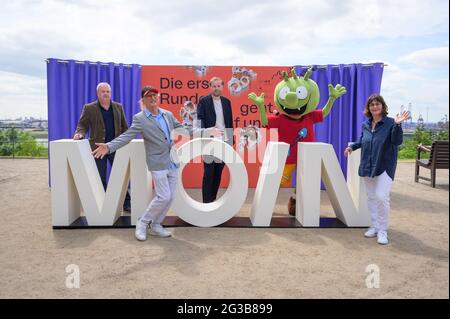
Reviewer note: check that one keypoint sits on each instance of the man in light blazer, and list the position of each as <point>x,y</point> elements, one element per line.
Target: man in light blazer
<point>155,124</point>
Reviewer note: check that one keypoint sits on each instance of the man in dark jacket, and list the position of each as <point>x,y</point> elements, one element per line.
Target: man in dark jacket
<point>105,120</point>
<point>214,111</point>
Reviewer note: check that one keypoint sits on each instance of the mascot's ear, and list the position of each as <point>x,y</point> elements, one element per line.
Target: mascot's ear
<point>294,74</point>
<point>308,74</point>
<point>285,76</point>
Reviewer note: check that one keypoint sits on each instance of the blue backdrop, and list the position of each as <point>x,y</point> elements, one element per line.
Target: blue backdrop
<point>71,84</point>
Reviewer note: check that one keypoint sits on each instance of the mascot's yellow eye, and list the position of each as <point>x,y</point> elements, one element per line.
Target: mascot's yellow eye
<point>283,92</point>
<point>302,92</point>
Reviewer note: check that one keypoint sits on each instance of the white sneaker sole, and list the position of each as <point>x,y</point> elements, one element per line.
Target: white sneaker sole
<point>140,239</point>
<point>370,236</point>
<point>159,234</point>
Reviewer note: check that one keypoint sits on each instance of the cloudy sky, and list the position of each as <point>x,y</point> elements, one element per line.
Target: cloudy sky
<point>411,36</point>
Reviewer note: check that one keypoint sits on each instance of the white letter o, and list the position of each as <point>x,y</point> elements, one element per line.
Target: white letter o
<point>224,208</point>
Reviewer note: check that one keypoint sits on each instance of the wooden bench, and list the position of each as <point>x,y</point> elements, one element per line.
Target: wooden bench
<point>438,160</point>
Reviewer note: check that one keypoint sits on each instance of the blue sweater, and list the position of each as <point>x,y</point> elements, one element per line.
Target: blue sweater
<point>379,148</point>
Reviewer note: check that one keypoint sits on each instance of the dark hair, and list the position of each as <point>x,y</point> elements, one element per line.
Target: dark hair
<point>378,98</point>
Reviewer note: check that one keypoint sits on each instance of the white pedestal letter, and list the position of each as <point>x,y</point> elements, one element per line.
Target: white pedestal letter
<point>73,173</point>
<point>218,212</point>
<point>266,191</point>
<point>316,161</point>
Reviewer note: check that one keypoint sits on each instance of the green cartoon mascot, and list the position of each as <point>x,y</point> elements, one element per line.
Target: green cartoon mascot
<point>296,99</point>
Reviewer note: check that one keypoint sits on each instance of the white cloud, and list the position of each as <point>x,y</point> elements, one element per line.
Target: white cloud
<point>431,57</point>
<point>22,95</point>
<point>402,86</point>
<point>143,32</point>
<point>229,32</point>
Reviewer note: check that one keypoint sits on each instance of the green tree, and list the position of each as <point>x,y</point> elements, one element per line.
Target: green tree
<point>20,143</point>
<point>421,136</point>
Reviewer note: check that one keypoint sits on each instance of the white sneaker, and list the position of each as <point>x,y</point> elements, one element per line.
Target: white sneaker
<point>158,230</point>
<point>371,232</point>
<point>141,230</point>
<point>382,237</point>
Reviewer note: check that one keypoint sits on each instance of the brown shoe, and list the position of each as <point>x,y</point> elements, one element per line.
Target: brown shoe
<point>291,206</point>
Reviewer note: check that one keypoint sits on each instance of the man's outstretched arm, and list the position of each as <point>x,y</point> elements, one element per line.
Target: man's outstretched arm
<point>120,141</point>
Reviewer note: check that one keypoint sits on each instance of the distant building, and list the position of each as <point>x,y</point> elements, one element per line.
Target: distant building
<point>25,123</point>
<point>420,121</point>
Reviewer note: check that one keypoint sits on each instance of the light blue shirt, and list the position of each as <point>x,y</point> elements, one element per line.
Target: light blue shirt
<point>163,125</point>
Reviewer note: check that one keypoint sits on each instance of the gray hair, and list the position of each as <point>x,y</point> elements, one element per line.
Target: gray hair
<point>103,84</point>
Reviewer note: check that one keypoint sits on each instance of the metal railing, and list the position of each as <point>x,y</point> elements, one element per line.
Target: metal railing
<point>15,145</point>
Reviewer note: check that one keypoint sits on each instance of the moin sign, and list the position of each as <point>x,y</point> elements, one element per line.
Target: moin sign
<point>75,183</point>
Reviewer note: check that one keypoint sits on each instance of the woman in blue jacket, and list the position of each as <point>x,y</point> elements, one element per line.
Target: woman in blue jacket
<point>381,135</point>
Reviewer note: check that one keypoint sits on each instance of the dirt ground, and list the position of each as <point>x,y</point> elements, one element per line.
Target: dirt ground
<point>222,262</point>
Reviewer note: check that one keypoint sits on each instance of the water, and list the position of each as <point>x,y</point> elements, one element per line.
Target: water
<point>42,141</point>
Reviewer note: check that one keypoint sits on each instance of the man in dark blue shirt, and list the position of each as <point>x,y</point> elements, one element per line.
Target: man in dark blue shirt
<point>105,120</point>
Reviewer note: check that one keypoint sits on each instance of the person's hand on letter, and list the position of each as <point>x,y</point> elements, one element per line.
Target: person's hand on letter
<point>348,151</point>
<point>215,132</point>
<point>101,150</point>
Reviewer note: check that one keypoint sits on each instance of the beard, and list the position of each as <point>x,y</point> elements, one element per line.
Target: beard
<point>104,100</point>
<point>217,93</point>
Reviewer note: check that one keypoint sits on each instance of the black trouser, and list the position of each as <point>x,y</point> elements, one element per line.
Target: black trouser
<point>101,166</point>
<point>211,179</point>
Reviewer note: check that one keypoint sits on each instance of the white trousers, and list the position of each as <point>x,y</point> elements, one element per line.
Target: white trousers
<point>165,188</point>
<point>378,201</point>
